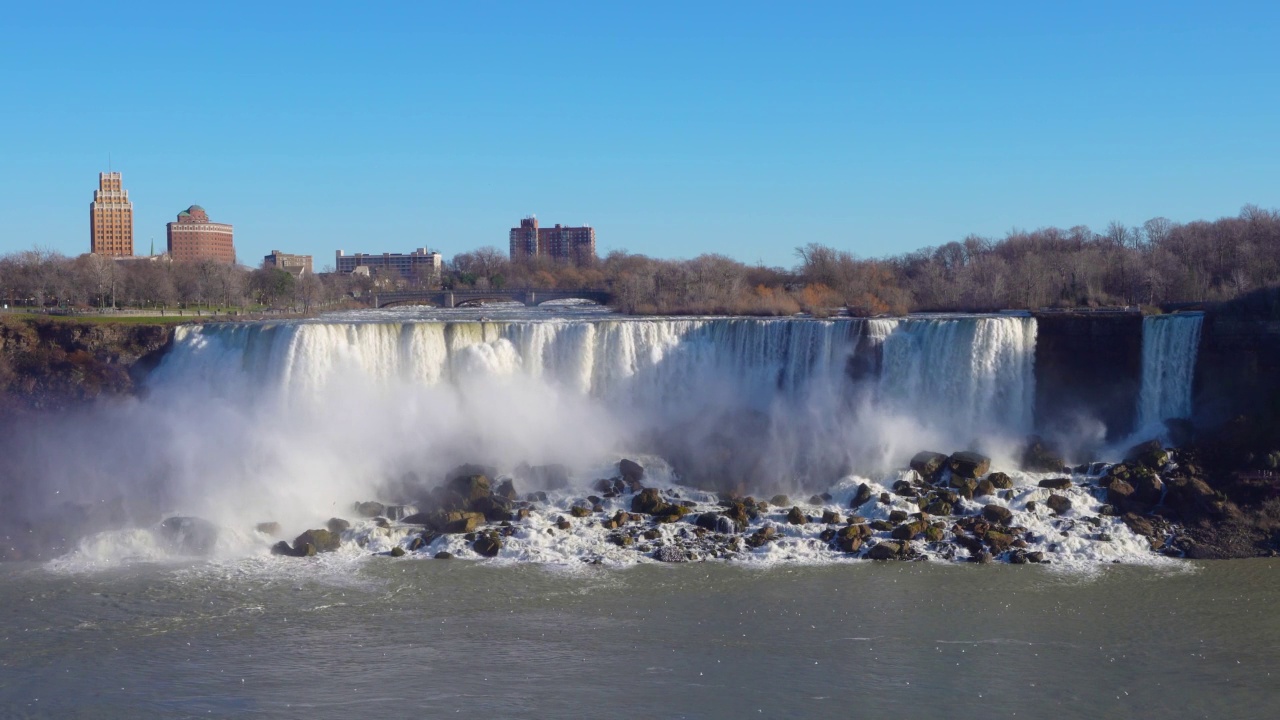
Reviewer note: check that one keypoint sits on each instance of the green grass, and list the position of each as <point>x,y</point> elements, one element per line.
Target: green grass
<point>167,319</point>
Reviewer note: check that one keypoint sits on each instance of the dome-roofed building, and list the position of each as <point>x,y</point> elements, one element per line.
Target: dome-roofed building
<point>193,237</point>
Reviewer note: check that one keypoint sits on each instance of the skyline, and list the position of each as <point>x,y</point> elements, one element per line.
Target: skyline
<point>734,129</point>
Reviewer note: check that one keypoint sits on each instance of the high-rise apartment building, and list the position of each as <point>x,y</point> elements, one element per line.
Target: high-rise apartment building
<point>575,245</point>
<point>193,237</point>
<point>111,218</point>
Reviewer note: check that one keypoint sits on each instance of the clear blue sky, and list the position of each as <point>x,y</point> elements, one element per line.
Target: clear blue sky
<point>675,128</point>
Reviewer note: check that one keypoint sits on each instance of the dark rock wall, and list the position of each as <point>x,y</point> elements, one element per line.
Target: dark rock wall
<point>1238,369</point>
<point>55,364</point>
<point>1088,365</point>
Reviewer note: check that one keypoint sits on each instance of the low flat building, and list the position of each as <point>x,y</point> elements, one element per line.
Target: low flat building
<point>419,263</point>
<point>296,265</point>
<point>193,237</point>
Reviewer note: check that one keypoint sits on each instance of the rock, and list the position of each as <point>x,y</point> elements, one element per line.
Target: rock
<point>648,501</point>
<point>1140,525</point>
<point>1148,449</point>
<point>470,487</point>
<point>1035,557</point>
<point>190,535</point>
<point>495,508</point>
<point>997,514</point>
<point>831,517</point>
<point>928,463</point>
<point>671,554</point>
<point>671,513</point>
<point>984,488</point>
<point>579,512</point>
<point>881,525</point>
<point>507,489</point>
<point>1000,480</point>
<point>338,525</point>
<point>739,515</point>
<point>969,464</point>
<point>399,512</point>
<point>322,540</point>
<point>1147,489</point>
<point>887,550</point>
<point>965,487</point>
<point>282,548</point>
<point>780,500</point>
<point>984,558</point>
<point>897,516</point>
<point>455,522</point>
<point>369,509</point>
<point>934,534</point>
<point>862,497</point>
<point>709,521</point>
<point>443,555</point>
<point>1032,506</point>
<point>1039,457</point>
<point>397,551</point>
<point>904,488</point>
<point>885,498</point>
<point>998,541</point>
<point>761,536</point>
<point>797,517</point>
<point>1119,493</point>
<point>1058,504</point>
<point>907,531</point>
<point>632,472</point>
<point>269,528</point>
<point>938,507</point>
<point>487,544</point>
<point>972,544</point>
<point>563,523</point>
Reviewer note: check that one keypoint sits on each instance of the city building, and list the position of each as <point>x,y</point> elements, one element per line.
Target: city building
<point>574,245</point>
<point>296,265</point>
<point>421,263</point>
<point>193,237</point>
<point>111,218</point>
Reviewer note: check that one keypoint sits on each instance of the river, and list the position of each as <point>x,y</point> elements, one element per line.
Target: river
<point>388,637</point>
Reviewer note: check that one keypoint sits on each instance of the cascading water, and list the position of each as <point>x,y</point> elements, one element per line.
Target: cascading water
<point>1170,344</point>
<point>974,374</point>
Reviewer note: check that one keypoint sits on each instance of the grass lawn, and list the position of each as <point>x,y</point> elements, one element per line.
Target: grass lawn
<point>168,318</point>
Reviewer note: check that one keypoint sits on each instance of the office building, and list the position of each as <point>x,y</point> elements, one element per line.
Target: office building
<point>193,237</point>
<point>421,263</point>
<point>295,265</point>
<point>111,218</point>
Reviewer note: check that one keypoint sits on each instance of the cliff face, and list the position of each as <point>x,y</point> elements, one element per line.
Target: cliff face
<point>1238,369</point>
<point>1088,366</point>
<point>54,364</point>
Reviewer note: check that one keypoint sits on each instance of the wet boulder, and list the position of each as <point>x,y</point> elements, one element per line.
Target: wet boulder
<point>862,497</point>
<point>1119,493</point>
<point>969,464</point>
<point>997,514</point>
<point>269,528</point>
<point>830,517</point>
<point>470,487</point>
<point>487,544</point>
<point>928,464</point>
<point>369,509</point>
<point>888,550</point>
<point>762,536</point>
<point>1000,480</point>
<point>322,540</point>
<point>632,473</point>
<point>1061,483</point>
<point>190,535</point>
<point>398,513</point>
<point>648,501</point>
<point>1150,454</point>
<point>579,511</point>
<point>396,551</point>
<point>938,507</point>
<point>796,516</point>
<point>908,531</point>
<point>337,525</point>
<point>282,548</point>
<point>1058,504</point>
<point>455,521</point>
<point>507,489</point>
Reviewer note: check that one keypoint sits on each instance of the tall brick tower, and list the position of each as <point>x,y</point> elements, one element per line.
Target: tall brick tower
<point>111,218</point>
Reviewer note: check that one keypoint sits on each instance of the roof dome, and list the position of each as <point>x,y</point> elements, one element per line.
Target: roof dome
<point>194,208</point>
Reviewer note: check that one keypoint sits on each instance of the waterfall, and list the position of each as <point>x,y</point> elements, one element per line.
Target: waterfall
<point>1170,344</point>
<point>975,374</point>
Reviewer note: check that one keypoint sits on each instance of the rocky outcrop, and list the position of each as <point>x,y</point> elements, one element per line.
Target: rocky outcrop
<point>51,364</point>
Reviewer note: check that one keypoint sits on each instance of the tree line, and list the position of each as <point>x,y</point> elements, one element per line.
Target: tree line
<point>1157,263</point>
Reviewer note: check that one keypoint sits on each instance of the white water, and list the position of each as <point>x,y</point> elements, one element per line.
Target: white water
<point>1170,344</point>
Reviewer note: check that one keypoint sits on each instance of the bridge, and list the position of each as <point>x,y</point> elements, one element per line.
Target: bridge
<point>462,298</point>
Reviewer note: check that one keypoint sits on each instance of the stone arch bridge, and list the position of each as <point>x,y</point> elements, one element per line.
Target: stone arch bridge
<point>462,298</point>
